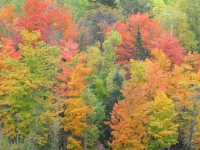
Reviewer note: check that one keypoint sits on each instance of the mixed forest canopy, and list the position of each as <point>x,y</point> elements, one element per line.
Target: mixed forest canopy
<point>99,74</point>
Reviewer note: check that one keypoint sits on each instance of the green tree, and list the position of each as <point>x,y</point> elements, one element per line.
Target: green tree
<point>110,3</point>
<point>93,120</point>
<point>79,8</point>
<point>175,21</point>
<point>133,6</point>
<point>97,19</point>
<point>142,52</point>
<point>17,3</point>
<point>192,10</point>
<point>114,83</point>
<point>94,60</point>
<point>112,41</point>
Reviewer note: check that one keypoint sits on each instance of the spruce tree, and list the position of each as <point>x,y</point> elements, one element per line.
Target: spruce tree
<point>142,52</point>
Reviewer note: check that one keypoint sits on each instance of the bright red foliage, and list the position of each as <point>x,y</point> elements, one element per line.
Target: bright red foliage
<point>42,15</point>
<point>9,46</point>
<point>150,30</point>
<point>152,37</point>
<point>170,46</point>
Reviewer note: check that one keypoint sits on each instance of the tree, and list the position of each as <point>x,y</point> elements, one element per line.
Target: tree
<point>97,19</point>
<point>75,109</point>
<point>114,83</point>
<point>94,59</point>
<point>79,8</point>
<point>129,117</point>
<point>142,53</point>
<point>17,4</point>
<point>110,3</point>
<point>149,29</point>
<point>162,129</point>
<point>161,60</point>
<point>48,19</point>
<point>113,40</point>
<point>158,6</point>
<point>175,22</point>
<point>26,91</point>
<point>7,16</point>
<point>191,9</point>
<point>156,82</point>
<point>130,7</point>
<point>93,120</point>
<point>182,89</point>
<point>171,47</point>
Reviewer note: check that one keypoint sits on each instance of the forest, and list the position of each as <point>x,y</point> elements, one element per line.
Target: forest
<point>99,74</point>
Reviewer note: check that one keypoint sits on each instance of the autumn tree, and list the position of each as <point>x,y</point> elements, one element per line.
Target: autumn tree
<point>183,89</point>
<point>162,129</point>
<point>128,121</point>
<point>149,30</point>
<point>130,116</point>
<point>161,60</point>
<point>17,4</point>
<point>26,94</point>
<point>171,47</point>
<point>45,17</point>
<point>175,22</point>
<point>7,16</point>
<point>75,110</point>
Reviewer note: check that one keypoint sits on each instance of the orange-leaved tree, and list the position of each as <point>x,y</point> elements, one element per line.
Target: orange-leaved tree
<point>183,89</point>
<point>129,117</point>
<point>7,17</point>
<point>75,110</point>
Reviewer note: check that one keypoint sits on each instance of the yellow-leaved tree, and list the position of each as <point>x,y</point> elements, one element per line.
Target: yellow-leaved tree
<point>162,129</point>
<point>26,97</point>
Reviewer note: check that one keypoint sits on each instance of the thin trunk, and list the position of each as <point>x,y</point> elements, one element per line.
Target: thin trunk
<point>36,123</point>
<point>103,61</point>
<point>183,146</point>
<point>0,135</point>
<point>171,29</point>
<point>55,129</point>
<point>18,131</point>
<point>85,136</point>
<point>194,115</point>
<point>1,4</point>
